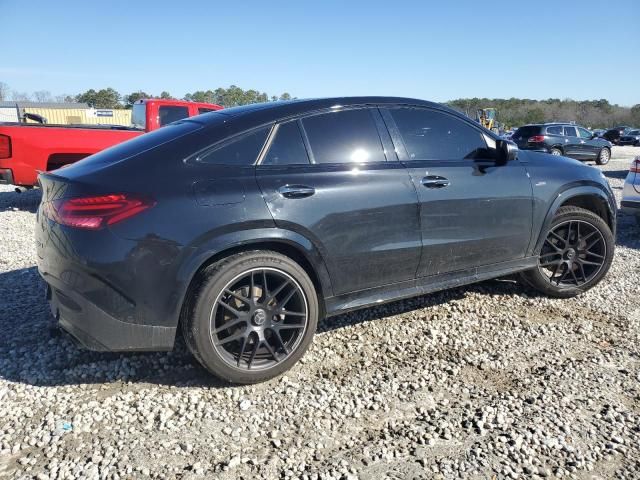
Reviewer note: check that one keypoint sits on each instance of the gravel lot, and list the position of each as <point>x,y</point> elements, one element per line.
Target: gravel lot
<point>482,381</point>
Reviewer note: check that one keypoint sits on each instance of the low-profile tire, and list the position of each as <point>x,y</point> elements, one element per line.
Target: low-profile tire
<point>555,151</point>
<point>603,156</point>
<point>576,254</point>
<point>251,316</point>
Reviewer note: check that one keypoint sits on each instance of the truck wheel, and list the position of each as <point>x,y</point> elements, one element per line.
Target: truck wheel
<point>603,156</point>
<point>576,254</point>
<point>555,151</point>
<point>251,317</point>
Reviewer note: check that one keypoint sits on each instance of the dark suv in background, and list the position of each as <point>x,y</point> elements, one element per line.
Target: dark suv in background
<point>563,139</point>
<point>631,137</point>
<point>245,227</point>
<point>614,134</point>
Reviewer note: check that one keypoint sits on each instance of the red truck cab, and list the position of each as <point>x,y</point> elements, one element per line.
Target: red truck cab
<point>29,148</point>
<point>151,114</point>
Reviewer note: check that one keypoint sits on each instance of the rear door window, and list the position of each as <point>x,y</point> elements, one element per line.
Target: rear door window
<point>241,150</point>
<point>344,137</point>
<point>570,132</point>
<point>555,130</point>
<point>169,114</point>
<point>202,110</point>
<point>287,147</point>
<point>431,135</point>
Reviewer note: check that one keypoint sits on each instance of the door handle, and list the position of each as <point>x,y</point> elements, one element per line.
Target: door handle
<point>296,191</point>
<point>435,181</point>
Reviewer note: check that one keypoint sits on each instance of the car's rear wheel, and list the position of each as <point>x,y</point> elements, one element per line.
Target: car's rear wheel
<point>251,317</point>
<point>575,255</point>
<point>555,151</point>
<point>603,156</point>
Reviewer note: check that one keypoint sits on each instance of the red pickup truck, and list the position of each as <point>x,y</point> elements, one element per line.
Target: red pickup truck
<point>29,148</point>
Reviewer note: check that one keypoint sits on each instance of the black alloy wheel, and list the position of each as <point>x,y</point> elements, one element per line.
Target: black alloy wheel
<point>573,253</point>
<point>251,316</point>
<point>259,319</point>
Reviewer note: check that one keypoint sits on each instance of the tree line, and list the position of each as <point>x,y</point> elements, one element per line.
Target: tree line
<point>512,112</point>
<point>111,98</point>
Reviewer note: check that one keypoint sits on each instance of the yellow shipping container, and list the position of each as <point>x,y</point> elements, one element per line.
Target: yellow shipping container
<point>78,114</point>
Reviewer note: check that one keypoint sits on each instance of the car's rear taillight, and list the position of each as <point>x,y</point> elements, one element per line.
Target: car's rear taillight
<point>635,165</point>
<point>5,146</point>
<point>536,139</point>
<point>93,213</point>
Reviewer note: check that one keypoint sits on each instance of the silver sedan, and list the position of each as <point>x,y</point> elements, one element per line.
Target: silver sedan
<point>631,192</point>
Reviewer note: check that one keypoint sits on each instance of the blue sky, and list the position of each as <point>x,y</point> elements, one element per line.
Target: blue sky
<point>433,50</point>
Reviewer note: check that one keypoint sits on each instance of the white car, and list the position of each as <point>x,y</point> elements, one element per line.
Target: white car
<point>631,191</point>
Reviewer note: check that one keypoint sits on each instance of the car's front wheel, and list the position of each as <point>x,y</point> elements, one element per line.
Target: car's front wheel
<point>576,254</point>
<point>251,317</point>
<point>603,156</point>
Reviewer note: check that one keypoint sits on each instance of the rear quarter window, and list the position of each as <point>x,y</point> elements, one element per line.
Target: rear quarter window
<point>241,150</point>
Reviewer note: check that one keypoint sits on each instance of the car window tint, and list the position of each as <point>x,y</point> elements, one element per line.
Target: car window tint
<point>557,130</point>
<point>343,137</point>
<point>170,114</point>
<point>570,132</point>
<point>431,135</point>
<point>526,131</point>
<point>584,133</point>
<point>287,147</point>
<point>243,150</point>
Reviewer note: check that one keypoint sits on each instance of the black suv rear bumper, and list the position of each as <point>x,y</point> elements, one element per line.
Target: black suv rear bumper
<point>97,330</point>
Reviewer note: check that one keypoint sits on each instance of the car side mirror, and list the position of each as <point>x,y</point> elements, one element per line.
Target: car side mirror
<point>506,150</point>
<point>594,135</point>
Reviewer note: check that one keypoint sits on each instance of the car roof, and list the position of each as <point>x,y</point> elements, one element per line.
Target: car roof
<point>282,109</point>
<point>552,124</point>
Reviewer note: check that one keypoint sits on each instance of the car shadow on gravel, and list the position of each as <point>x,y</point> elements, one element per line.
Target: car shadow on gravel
<point>35,351</point>
<point>27,201</point>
